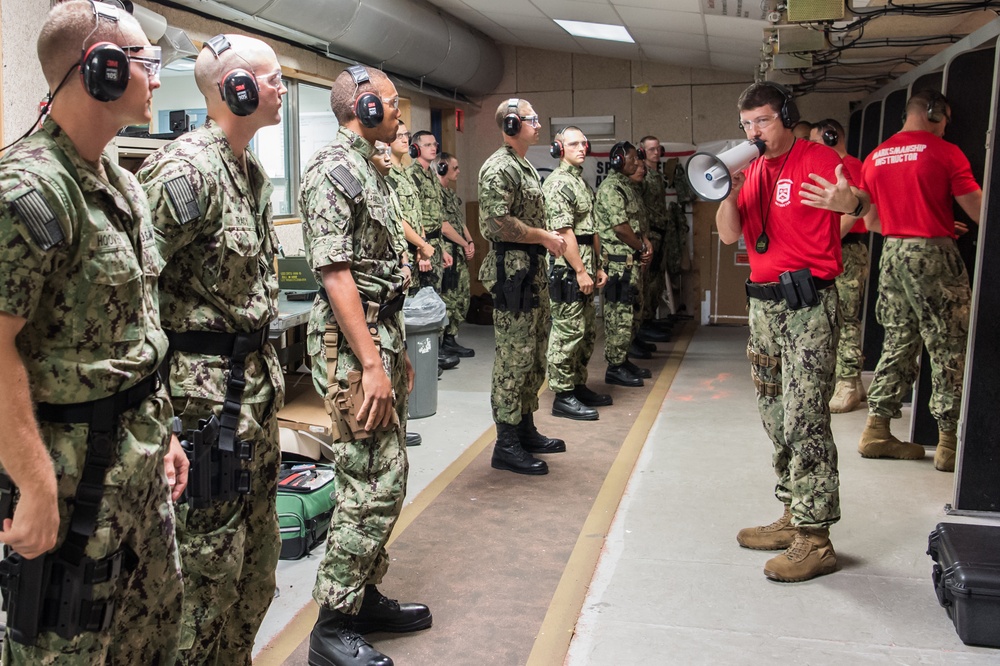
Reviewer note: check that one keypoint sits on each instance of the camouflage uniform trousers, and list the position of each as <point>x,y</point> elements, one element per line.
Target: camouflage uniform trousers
<point>656,281</point>
<point>571,343</point>
<point>136,514</point>
<point>457,300</point>
<point>370,484</point>
<point>851,291</point>
<point>229,551</point>
<point>519,364</point>
<point>674,240</point>
<point>793,400</point>
<point>619,318</point>
<point>924,297</point>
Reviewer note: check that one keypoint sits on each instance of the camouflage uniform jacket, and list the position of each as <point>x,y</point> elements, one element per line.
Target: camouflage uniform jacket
<point>617,203</point>
<point>508,185</point>
<point>654,196</point>
<point>80,264</point>
<point>453,210</point>
<point>409,197</point>
<point>360,230</point>
<point>214,231</point>
<point>431,197</point>
<point>569,204</point>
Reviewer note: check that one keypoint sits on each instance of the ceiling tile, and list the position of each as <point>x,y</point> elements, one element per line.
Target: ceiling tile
<point>545,40</point>
<point>674,40</point>
<point>518,23</point>
<point>735,46</point>
<point>610,49</point>
<point>673,5</point>
<point>519,6</point>
<point>574,10</point>
<point>738,28</point>
<point>661,19</point>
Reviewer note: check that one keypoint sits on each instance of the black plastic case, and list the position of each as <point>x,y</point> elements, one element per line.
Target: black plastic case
<point>967,579</point>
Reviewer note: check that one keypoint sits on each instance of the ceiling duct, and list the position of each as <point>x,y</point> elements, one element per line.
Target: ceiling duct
<point>401,36</point>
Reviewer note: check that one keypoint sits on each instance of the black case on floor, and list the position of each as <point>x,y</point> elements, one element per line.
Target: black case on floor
<point>967,579</point>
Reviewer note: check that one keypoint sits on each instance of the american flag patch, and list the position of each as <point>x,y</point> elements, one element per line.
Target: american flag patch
<point>37,215</point>
<point>182,195</point>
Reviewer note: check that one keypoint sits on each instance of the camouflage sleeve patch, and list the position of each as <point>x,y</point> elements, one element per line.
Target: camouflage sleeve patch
<point>346,182</point>
<point>37,215</point>
<point>182,195</point>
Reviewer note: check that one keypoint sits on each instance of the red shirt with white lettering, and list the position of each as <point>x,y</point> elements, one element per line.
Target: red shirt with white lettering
<point>799,236</point>
<point>853,166</point>
<point>912,178</point>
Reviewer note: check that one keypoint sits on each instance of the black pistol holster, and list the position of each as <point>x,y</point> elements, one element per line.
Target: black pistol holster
<point>215,453</point>
<point>516,293</point>
<point>798,289</point>
<point>55,591</point>
<point>449,279</point>
<point>563,287</point>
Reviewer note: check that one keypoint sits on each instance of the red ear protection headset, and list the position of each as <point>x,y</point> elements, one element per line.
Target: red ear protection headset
<point>414,150</point>
<point>239,86</point>
<point>641,154</point>
<point>367,106</point>
<point>618,155</point>
<point>512,119</point>
<point>105,71</point>
<point>556,149</point>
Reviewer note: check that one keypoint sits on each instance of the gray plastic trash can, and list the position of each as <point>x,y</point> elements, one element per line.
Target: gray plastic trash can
<point>422,348</point>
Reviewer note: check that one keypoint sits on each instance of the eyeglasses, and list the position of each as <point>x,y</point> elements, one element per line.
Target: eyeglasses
<point>382,150</point>
<point>531,120</point>
<point>274,79</point>
<point>403,135</point>
<point>435,144</point>
<point>150,60</point>
<point>391,103</point>
<point>759,123</point>
<point>577,144</point>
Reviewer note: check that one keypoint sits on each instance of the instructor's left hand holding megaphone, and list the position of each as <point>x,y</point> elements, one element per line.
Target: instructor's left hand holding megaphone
<point>715,177</point>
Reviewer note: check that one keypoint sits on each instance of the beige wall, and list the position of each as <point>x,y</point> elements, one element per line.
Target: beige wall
<point>23,84</point>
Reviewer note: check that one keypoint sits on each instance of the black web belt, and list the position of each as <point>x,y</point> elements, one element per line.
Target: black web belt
<point>854,238</point>
<point>235,346</point>
<point>384,311</point>
<point>585,239</point>
<point>771,291</point>
<point>431,235</point>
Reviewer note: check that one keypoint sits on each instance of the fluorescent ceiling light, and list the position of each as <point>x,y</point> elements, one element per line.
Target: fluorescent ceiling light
<point>613,33</point>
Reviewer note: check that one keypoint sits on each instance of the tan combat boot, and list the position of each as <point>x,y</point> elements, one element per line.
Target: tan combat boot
<point>878,442</point>
<point>810,555</point>
<point>778,535</point>
<point>944,455</point>
<point>860,386</point>
<point>846,396</point>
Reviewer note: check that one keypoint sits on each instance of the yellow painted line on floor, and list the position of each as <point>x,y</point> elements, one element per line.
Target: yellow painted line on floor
<point>552,642</point>
<point>297,631</point>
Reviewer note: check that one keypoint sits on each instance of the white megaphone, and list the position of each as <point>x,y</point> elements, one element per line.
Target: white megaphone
<point>710,175</point>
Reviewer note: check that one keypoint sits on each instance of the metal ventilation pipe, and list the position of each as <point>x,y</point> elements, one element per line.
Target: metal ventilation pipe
<point>401,36</point>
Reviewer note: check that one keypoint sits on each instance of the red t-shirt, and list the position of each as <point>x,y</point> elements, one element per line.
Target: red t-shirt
<point>912,178</point>
<point>799,236</point>
<point>853,166</point>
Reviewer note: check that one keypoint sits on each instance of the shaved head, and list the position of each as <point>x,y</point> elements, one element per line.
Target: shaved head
<point>246,53</point>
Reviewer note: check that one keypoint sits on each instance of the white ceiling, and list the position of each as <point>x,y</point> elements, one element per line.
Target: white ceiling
<point>696,33</point>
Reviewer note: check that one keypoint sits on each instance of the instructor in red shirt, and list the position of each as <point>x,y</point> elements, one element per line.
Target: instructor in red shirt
<point>924,294</point>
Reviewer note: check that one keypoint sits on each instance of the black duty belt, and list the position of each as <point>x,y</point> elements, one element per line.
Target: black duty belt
<point>214,343</point>
<point>585,239</point>
<point>530,248</point>
<point>384,311</point>
<point>624,257</point>
<point>854,238</point>
<point>771,291</point>
<point>83,412</point>
<point>431,235</point>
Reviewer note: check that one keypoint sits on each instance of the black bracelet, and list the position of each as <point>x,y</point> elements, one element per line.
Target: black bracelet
<point>857,209</point>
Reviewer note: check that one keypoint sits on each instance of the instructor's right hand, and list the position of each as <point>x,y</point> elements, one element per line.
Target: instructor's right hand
<point>35,526</point>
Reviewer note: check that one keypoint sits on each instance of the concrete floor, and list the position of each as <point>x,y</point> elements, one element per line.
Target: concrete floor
<point>672,586</point>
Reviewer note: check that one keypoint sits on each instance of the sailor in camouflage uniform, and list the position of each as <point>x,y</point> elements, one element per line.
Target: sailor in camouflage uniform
<point>455,285</point>
<point>654,198</point>
<point>424,150</point>
<point>406,191</point>
<point>512,218</point>
<point>569,204</point>
<point>210,198</point>
<point>618,215</point>
<point>80,342</point>
<point>355,244</point>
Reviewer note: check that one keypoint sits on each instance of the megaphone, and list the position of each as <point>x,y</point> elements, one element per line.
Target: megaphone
<point>710,175</point>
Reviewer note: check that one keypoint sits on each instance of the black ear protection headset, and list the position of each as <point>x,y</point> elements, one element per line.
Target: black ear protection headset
<point>618,155</point>
<point>239,86</point>
<point>414,150</point>
<point>442,168</point>
<point>831,136</point>
<point>367,106</point>
<point>512,119</point>
<point>789,112</point>
<point>556,149</point>
<point>104,66</point>
<point>937,107</point>
<point>640,152</point>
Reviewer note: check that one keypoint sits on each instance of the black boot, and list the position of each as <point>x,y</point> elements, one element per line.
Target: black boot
<point>619,375</point>
<point>644,373</point>
<point>649,334</point>
<point>379,613</point>
<point>591,398</point>
<point>413,439</point>
<point>509,455</point>
<point>450,345</point>
<point>638,350</point>
<point>533,441</point>
<point>334,643</point>
<point>569,406</point>
<point>446,361</point>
